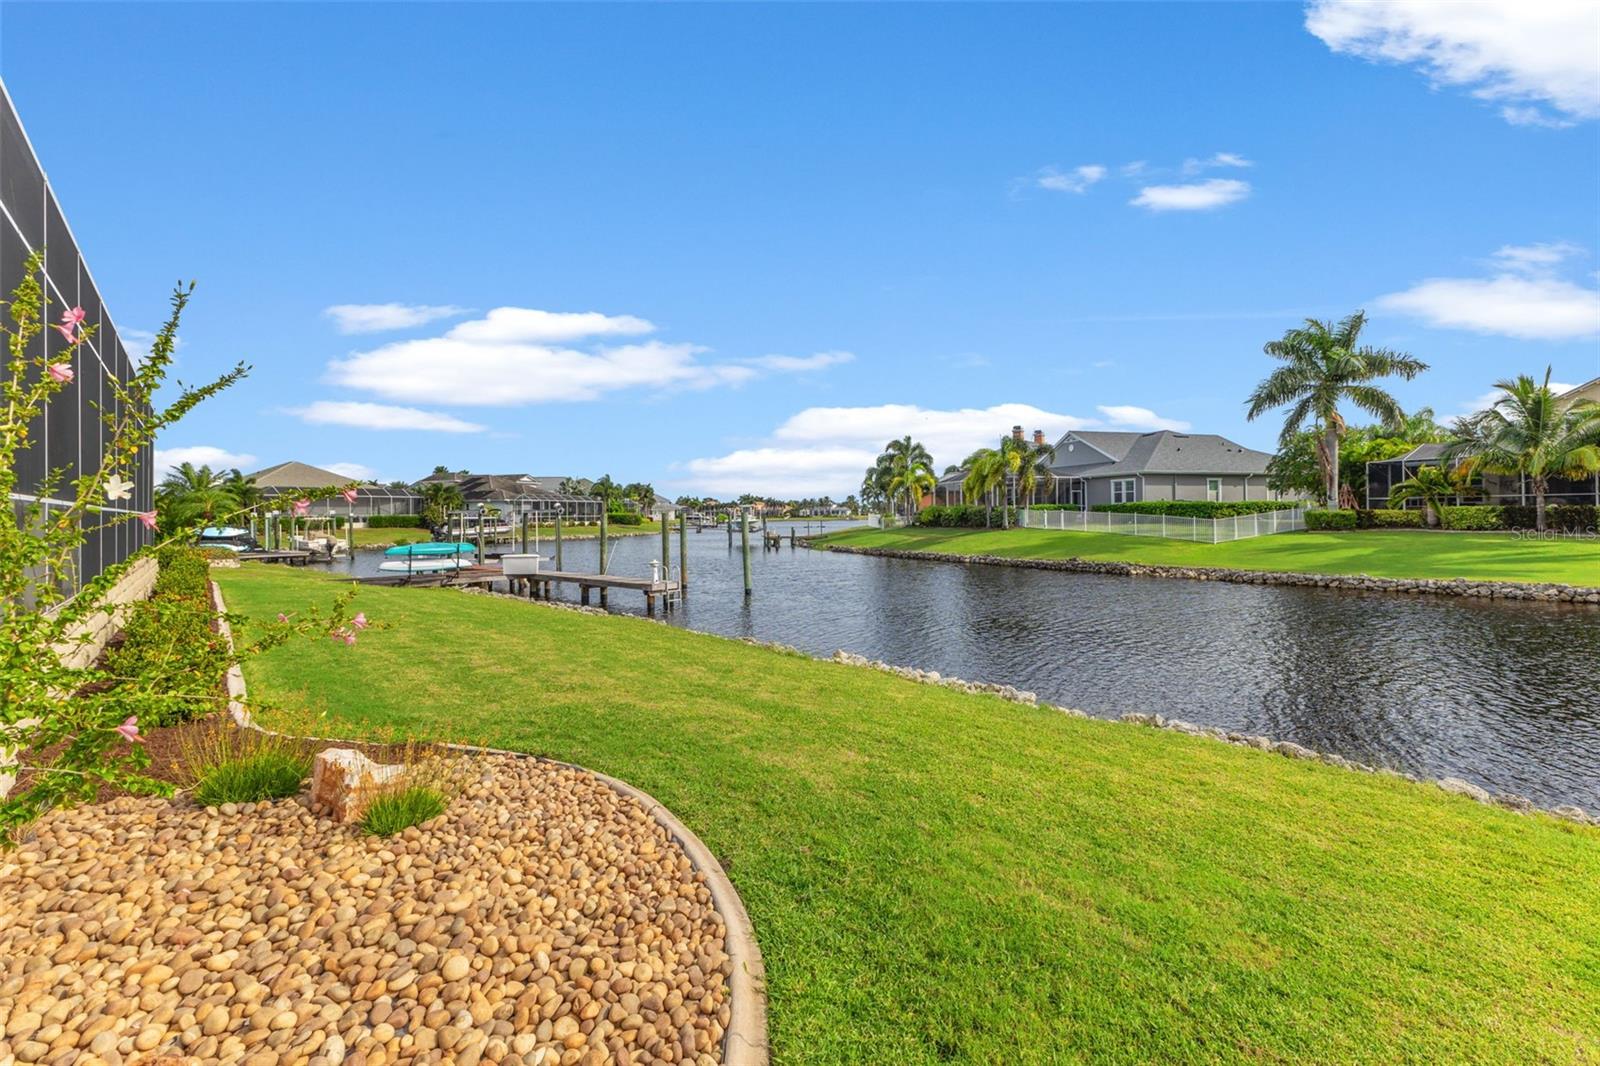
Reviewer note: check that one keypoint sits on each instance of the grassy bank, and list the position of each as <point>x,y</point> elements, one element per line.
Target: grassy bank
<point>1398,553</point>
<point>939,877</point>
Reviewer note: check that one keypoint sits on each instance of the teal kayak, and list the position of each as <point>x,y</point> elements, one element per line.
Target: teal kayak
<point>446,548</point>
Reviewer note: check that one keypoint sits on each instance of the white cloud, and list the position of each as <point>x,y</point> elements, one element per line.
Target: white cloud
<point>166,459</point>
<point>1220,159</point>
<point>514,325</point>
<point>137,342</point>
<point>1536,58</point>
<point>1534,258</point>
<point>377,318</point>
<point>827,449</point>
<point>801,363</point>
<point>1078,179</point>
<point>379,416</point>
<point>353,471</point>
<point>1524,299</point>
<point>519,355</point>
<point>1126,416</point>
<point>1195,196</point>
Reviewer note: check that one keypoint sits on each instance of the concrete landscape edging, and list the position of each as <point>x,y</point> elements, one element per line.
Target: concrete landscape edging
<point>745,1041</point>
<point>1546,592</point>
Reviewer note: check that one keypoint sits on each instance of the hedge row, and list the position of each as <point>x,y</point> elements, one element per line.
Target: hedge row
<point>1056,507</point>
<point>1560,517</point>
<point>394,521</point>
<point>624,518</point>
<point>1198,508</point>
<point>170,637</point>
<point>1344,518</point>
<point>965,516</point>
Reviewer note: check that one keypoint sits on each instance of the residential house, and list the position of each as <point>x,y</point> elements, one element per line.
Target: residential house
<point>521,494</point>
<point>1094,467</point>
<point>1494,488</point>
<point>284,483</point>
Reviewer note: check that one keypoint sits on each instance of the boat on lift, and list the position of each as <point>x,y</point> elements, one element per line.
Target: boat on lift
<point>228,538</point>
<point>427,558</point>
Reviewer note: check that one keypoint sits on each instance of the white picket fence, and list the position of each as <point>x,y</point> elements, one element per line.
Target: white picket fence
<point>1172,527</point>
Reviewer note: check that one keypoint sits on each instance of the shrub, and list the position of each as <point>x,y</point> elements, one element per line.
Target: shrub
<point>1561,517</point>
<point>1479,516</point>
<point>391,812</point>
<point>1056,507</point>
<point>1341,518</point>
<point>170,638</point>
<point>625,518</point>
<point>1389,518</point>
<point>1198,508</point>
<point>966,516</point>
<point>395,521</point>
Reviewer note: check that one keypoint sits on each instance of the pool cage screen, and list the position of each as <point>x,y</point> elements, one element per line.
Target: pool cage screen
<point>370,500</point>
<point>70,438</point>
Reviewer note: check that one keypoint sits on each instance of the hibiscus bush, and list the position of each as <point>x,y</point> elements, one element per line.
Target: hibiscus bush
<point>68,730</point>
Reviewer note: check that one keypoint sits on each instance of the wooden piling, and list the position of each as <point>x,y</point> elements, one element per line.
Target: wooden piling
<point>602,554</point>
<point>558,539</point>
<point>666,545</point>
<point>524,532</point>
<point>744,541</point>
<point>683,554</point>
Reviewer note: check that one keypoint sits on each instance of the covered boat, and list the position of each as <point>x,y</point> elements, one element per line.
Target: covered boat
<point>229,538</point>
<point>422,558</point>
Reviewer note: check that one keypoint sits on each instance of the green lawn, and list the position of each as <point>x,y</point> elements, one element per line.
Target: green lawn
<point>937,877</point>
<point>370,538</point>
<point>1405,553</point>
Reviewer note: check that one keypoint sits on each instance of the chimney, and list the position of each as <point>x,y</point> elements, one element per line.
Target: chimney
<point>1016,432</point>
<point>1038,438</point>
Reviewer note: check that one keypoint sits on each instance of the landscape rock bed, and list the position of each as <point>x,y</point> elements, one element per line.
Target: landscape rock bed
<point>1544,592</point>
<point>543,920</point>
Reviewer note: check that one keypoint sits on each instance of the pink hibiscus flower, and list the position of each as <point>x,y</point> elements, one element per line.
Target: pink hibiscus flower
<point>61,372</point>
<point>72,316</point>
<point>360,620</point>
<point>148,518</point>
<point>302,508</point>
<point>130,730</point>
<point>349,495</point>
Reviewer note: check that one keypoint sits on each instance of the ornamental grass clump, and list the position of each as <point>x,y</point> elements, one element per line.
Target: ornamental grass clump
<point>234,764</point>
<point>433,778</point>
<point>66,729</point>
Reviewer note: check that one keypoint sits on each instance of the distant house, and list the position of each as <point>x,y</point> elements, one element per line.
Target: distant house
<point>282,484</point>
<point>519,494</point>
<point>1383,475</point>
<point>1093,467</point>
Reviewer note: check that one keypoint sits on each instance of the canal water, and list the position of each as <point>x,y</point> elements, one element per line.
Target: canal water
<point>1506,695</point>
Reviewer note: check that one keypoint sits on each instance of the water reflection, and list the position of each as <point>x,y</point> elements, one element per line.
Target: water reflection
<point>1502,694</point>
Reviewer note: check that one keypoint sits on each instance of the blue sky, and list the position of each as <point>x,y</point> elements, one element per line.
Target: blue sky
<point>738,247</point>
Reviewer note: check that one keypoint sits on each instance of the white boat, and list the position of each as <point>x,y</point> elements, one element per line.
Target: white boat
<point>423,564</point>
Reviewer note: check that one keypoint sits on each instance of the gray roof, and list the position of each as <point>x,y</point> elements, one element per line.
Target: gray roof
<point>1425,451</point>
<point>292,475</point>
<point>1166,452</point>
<point>1114,444</point>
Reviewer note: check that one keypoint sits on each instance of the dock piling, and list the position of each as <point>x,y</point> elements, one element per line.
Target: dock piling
<point>744,541</point>
<point>558,538</point>
<point>666,544</point>
<point>602,554</point>
<point>683,555</point>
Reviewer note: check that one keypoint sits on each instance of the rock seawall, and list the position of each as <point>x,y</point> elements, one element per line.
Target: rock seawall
<point>1546,592</point>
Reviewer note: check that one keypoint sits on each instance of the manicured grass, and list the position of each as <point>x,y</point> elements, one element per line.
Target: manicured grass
<point>1403,553</point>
<point>937,877</point>
<point>369,538</point>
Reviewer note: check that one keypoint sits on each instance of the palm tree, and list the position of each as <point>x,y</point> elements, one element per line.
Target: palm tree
<point>911,471</point>
<point>243,489</point>
<point>986,472</point>
<point>1323,366</point>
<point>439,498</point>
<point>875,484</point>
<point>1530,433</point>
<point>1432,485</point>
<point>189,494</point>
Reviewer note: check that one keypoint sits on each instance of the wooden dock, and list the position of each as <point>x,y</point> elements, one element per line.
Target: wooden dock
<point>537,586</point>
<point>290,558</point>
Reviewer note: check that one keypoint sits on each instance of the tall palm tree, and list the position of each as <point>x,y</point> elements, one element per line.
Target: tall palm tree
<point>1323,367</point>
<point>911,471</point>
<point>1530,433</point>
<point>875,484</point>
